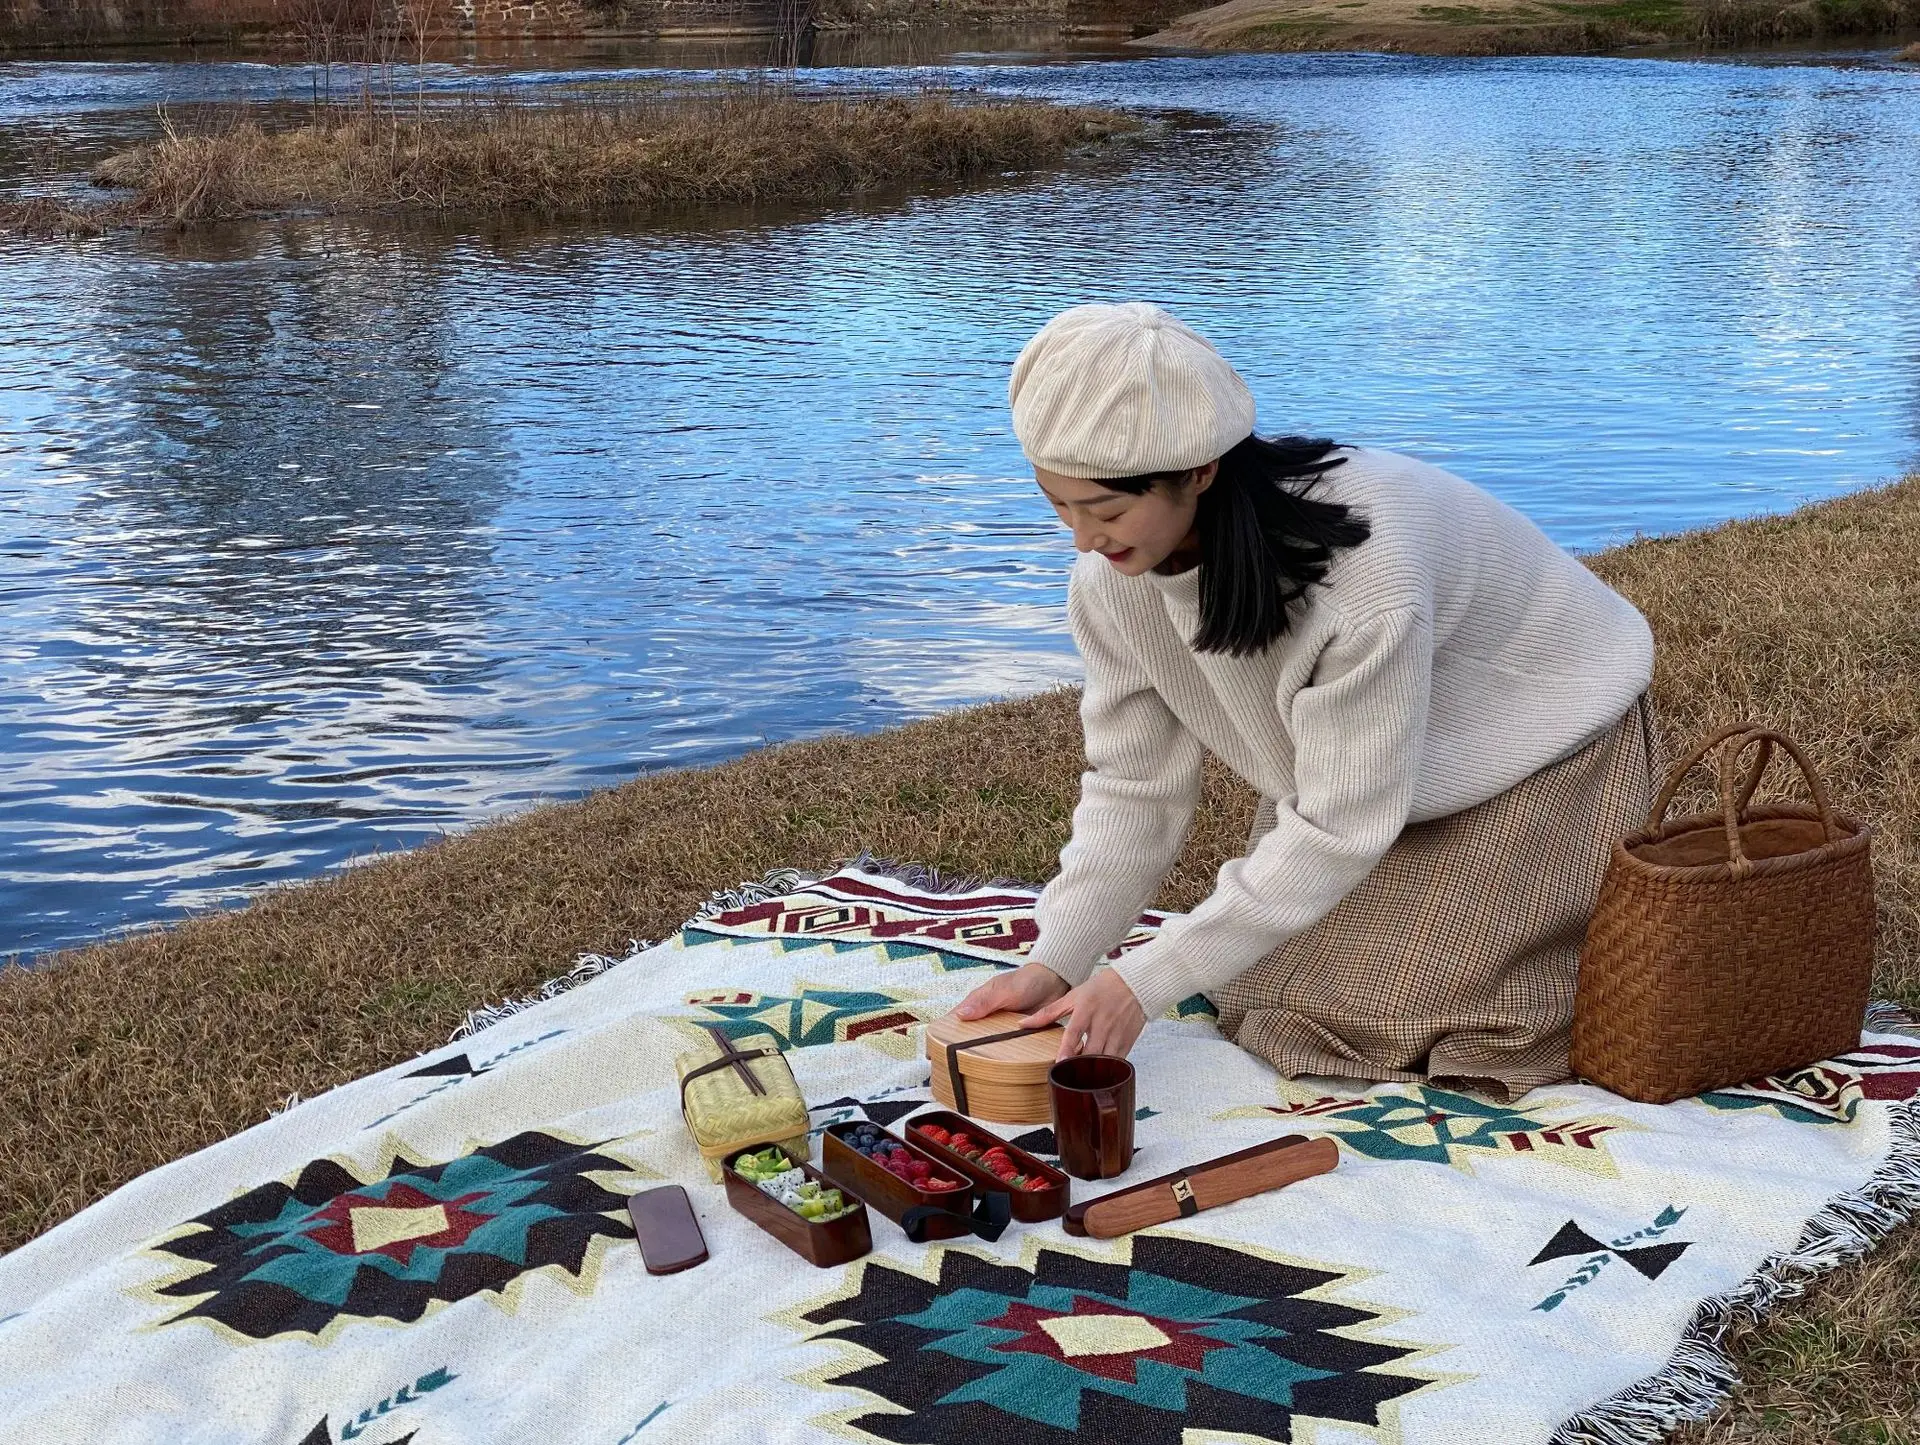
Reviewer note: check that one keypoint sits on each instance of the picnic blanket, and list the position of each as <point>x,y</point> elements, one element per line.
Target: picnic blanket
<point>440,1252</point>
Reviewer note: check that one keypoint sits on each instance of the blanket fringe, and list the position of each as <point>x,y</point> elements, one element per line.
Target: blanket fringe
<point>931,880</point>
<point>786,880</point>
<point>589,966</point>
<point>586,967</point>
<point>1700,1372</point>
<point>1884,1013</point>
<point>727,900</point>
<point>745,895</point>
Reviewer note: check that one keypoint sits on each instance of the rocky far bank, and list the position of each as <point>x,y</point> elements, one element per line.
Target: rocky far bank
<point>1533,27</point>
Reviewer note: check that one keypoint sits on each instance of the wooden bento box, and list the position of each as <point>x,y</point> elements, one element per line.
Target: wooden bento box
<point>831,1243</point>
<point>1005,1080</point>
<point>1029,1205</point>
<point>855,1174</point>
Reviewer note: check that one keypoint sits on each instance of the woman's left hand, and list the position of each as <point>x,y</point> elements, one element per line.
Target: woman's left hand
<point>1107,1018</point>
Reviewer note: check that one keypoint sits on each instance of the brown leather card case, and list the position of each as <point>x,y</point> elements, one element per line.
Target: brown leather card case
<point>669,1235</point>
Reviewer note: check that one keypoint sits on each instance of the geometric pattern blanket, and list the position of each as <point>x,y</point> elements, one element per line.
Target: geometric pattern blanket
<point>438,1254</point>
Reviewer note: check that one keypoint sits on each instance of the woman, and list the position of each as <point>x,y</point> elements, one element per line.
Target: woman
<point>1441,710</point>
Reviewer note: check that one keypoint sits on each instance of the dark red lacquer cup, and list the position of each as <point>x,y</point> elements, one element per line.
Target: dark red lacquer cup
<point>1092,1100</point>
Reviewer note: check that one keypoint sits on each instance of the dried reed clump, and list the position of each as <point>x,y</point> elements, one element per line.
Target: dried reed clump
<point>1912,53</point>
<point>596,150</point>
<point>122,1056</point>
<point>46,218</point>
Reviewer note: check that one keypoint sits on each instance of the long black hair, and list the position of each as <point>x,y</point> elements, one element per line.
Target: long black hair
<point>1263,540</point>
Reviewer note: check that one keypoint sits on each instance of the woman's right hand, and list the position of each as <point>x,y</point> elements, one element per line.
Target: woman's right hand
<point>1027,988</point>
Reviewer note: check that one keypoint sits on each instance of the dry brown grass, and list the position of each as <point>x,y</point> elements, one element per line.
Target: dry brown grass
<point>128,1054</point>
<point>1912,53</point>
<point>636,148</point>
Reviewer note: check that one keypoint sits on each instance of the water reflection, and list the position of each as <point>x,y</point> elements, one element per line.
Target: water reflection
<point>273,612</point>
<point>321,536</point>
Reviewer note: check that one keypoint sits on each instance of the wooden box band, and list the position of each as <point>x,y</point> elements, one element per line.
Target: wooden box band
<point>1185,1192</point>
<point>730,1057</point>
<point>958,1080</point>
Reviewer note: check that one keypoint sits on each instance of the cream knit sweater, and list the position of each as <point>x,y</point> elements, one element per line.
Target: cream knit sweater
<point>1446,658</point>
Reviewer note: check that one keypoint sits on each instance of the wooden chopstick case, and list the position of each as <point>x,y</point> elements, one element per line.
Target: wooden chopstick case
<point>1185,1192</point>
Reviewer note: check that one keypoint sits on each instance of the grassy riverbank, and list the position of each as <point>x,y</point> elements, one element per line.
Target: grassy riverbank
<point>123,1056</point>
<point>627,148</point>
<point>1531,27</point>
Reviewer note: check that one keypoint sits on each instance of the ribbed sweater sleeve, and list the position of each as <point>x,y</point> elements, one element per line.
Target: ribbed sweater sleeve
<point>1137,798</point>
<point>1357,730</point>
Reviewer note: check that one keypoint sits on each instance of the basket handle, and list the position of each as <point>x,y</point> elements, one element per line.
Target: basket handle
<point>1657,817</point>
<point>1733,813</point>
<point>1733,740</point>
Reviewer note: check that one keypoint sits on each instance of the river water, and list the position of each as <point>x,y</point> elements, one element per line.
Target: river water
<point>323,537</point>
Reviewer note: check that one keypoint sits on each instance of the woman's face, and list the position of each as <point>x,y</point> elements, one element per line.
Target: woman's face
<point>1135,534</point>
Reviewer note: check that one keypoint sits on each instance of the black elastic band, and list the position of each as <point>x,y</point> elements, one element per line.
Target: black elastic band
<point>988,1219</point>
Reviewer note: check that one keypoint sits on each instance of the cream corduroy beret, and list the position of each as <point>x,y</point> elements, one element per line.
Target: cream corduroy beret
<point>1115,391</point>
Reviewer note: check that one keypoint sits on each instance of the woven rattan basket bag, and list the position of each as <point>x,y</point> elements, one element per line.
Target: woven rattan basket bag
<point>1730,944</point>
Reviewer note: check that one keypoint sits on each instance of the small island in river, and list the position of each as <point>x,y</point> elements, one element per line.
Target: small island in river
<point>629,148</point>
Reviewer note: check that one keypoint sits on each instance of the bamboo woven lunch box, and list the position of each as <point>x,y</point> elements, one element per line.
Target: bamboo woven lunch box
<point>734,1093</point>
<point>1729,944</point>
<point>991,1068</point>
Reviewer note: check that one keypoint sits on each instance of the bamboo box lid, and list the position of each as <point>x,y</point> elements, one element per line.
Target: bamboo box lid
<point>1004,1081</point>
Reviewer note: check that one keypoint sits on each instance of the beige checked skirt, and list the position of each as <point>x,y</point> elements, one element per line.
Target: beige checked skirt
<point>1454,959</point>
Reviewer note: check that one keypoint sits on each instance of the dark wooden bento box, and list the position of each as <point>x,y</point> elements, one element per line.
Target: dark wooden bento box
<point>1029,1205</point>
<point>831,1243</point>
<point>887,1192</point>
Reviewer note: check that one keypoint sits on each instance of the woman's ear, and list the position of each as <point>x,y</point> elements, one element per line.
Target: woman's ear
<point>1203,476</point>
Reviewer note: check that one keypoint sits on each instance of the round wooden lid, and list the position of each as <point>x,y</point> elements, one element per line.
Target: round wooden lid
<point>1022,1060</point>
